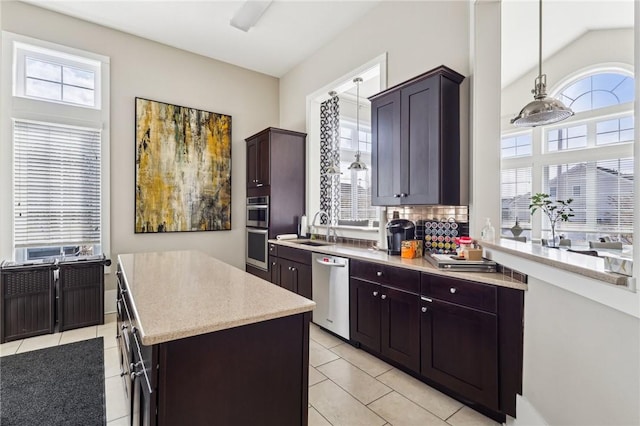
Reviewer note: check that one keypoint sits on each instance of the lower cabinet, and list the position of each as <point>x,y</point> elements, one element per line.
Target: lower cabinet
<point>463,336</point>
<point>459,349</point>
<point>292,270</point>
<point>385,319</point>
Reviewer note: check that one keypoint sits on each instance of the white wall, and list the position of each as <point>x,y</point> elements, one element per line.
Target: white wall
<point>614,47</point>
<point>581,359</point>
<point>155,71</point>
<point>417,36</point>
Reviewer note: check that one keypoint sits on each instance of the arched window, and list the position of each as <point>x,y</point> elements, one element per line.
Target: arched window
<point>598,172</point>
<point>599,90</point>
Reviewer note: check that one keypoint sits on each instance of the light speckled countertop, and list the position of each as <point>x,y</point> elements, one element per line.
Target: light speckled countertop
<point>418,264</point>
<point>588,266</point>
<point>180,294</point>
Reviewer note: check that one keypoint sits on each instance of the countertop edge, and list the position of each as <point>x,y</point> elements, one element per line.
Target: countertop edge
<point>146,338</point>
<point>606,277</point>
<point>183,334</point>
<point>418,264</point>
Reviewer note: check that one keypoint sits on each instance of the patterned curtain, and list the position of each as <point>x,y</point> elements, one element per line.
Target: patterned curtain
<point>330,155</point>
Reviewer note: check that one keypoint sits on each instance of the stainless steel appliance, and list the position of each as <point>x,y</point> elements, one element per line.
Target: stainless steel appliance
<point>257,253</point>
<point>399,230</point>
<point>258,212</point>
<point>331,293</point>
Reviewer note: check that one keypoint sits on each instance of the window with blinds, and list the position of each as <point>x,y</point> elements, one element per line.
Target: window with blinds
<point>598,142</point>
<point>355,187</point>
<point>515,196</point>
<point>602,193</point>
<point>57,188</point>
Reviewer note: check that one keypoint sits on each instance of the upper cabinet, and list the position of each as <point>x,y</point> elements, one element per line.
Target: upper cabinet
<point>258,160</point>
<point>276,161</point>
<point>416,141</point>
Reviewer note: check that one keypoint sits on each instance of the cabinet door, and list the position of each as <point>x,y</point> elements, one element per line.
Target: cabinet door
<point>288,275</point>
<point>262,174</point>
<point>364,313</point>
<point>420,148</point>
<point>385,150</point>
<point>252,163</point>
<point>459,349</point>
<point>302,277</point>
<point>400,331</point>
<point>275,268</point>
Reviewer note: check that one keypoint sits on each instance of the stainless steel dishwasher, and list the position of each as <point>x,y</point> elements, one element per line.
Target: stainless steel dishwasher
<point>331,293</point>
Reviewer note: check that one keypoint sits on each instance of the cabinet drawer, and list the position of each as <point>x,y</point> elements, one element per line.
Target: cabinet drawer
<point>273,249</point>
<point>297,255</point>
<point>465,293</point>
<point>400,278</point>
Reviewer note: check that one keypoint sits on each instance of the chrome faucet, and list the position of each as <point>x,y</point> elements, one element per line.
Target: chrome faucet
<point>329,227</point>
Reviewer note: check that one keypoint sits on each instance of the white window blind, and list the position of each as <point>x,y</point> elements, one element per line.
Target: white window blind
<point>57,184</point>
<point>602,192</point>
<point>515,191</point>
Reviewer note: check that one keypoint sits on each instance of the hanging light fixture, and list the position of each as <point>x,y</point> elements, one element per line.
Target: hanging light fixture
<point>542,110</point>
<point>333,169</point>
<point>358,166</point>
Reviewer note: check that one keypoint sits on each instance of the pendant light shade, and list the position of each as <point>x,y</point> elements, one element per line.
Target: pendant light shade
<point>358,165</point>
<point>543,109</point>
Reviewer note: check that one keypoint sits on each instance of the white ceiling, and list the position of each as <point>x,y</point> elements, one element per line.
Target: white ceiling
<point>563,21</point>
<point>292,30</point>
<point>287,33</point>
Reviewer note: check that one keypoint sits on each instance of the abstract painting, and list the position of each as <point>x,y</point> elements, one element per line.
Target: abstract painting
<point>183,169</point>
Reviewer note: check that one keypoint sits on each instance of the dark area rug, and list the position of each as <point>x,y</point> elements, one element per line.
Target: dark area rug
<point>61,385</point>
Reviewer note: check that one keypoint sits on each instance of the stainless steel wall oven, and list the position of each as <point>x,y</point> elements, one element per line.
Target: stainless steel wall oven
<point>258,212</point>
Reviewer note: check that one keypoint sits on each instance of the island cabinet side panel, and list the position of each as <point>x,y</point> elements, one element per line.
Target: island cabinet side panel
<point>254,374</point>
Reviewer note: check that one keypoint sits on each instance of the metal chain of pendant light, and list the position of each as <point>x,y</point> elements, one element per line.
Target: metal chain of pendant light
<point>358,165</point>
<point>542,110</point>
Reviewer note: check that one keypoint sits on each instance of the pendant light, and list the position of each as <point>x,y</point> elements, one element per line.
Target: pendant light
<point>358,166</point>
<point>542,110</point>
<point>333,169</point>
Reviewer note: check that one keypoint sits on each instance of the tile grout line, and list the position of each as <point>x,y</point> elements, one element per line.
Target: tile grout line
<point>447,419</point>
<point>318,411</point>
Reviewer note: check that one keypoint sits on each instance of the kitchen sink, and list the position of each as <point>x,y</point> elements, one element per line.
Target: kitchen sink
<point>313,243</point>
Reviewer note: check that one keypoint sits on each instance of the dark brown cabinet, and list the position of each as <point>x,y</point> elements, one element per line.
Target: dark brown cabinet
<point>459,337</point>
<point>27,297</point>
<point>292,270</point>
<point>276,168</point>
<point>416,141</point>
<point>258,161</point>
<point>384,316</point>
<point>459,349</point>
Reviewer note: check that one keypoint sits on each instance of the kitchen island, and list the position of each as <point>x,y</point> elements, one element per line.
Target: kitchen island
<point>202,342</point>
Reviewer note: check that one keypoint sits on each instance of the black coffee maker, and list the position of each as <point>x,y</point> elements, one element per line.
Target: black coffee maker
<point>398,230</point>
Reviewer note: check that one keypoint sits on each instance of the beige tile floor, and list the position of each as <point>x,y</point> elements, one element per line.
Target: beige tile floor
<point>347,386</point>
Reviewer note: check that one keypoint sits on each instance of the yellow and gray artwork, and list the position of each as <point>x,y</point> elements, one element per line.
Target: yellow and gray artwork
<point>183,169</point>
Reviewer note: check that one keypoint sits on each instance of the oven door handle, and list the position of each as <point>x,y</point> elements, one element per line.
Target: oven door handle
<point>257,230</point>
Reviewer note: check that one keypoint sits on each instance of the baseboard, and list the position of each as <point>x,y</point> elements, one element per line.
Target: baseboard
<point>110,301</point>
<point>527,414</point>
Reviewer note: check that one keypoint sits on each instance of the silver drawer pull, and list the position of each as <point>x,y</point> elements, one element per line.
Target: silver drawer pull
<point>424,309</point>
<point>384,296</point>
<point>452,290</point>
<point>375,293</point>
<point>379,273</point>
<point>426,299</point>
<point>136,374</point>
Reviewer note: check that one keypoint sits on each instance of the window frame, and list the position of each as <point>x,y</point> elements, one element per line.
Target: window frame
<point>14,106</point>
<point>21,51</point>
<point>541,157</point>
